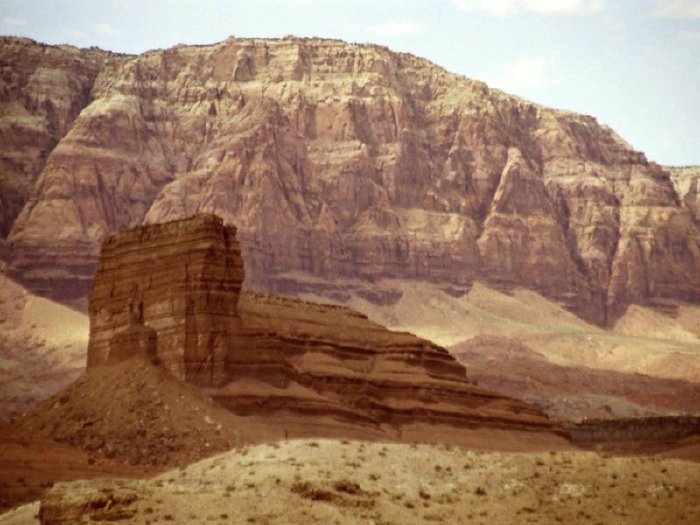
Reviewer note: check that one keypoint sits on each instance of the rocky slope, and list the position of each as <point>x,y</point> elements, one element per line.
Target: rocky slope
<point>135,413</point>
<point>573,392</point>
<point>42,347</point>
<point>347,161</point>
<point>168,294</point>
<point>31,465</point>
<point>395,384</point>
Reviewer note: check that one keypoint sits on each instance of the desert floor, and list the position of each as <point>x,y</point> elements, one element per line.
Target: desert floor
<point>332,481</point>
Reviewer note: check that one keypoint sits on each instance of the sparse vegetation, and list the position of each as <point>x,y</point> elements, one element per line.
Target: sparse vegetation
<point>408,485</point>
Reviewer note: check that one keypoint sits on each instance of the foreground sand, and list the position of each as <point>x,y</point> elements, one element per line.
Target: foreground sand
<point>42,347</point>
<point>331,481</point>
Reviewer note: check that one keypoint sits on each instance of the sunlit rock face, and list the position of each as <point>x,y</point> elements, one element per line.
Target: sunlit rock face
<point>169,293</point>
<point>42,89</point>
<point>685,179</point>
<point>355,162</point>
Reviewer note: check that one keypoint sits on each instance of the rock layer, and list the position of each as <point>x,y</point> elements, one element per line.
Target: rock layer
<point>320,359</point>
<point>169,293</point>
<point>572,393</point>
<point>349,161</point>
<point>685,179</point>
<point>42,89</point>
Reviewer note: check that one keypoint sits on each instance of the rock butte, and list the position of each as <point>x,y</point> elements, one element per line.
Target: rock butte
<point>338,161</point>
<point>170,293</point>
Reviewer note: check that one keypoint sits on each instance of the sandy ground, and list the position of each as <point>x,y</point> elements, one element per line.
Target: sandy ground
<point>42,347</point>
<point>29,465</point>
<point>334,482</point>
<point>26,514</point>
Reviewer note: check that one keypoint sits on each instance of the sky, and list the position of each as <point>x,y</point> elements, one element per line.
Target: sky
<point>633,64</point>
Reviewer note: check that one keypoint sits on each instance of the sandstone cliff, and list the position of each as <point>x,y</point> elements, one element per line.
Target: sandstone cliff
<point>685,179</point>
<point>348,161</point>
<point>42,91</point>
<point>169,293</point>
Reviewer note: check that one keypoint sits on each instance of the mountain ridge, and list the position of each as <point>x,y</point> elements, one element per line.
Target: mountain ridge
<point>353,161</point>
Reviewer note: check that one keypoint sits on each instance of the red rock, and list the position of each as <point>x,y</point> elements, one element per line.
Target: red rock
<point>43,89</point>
<point>347,161</point>
<point>170,293</point>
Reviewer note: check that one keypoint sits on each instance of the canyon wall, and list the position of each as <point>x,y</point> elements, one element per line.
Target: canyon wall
<point>341,161</point>
<point>42,90</point>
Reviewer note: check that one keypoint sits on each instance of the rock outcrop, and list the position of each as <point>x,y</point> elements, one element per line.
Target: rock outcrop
<point>42,89</point>
<point>330,361</point>
<point>642,434</point>
<point>355,162</point>
<point>169,293</point>
<point>685,179</point>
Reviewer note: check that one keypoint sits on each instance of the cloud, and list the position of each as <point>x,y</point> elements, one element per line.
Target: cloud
<point>614,23</point>
<point>494,7</point>
<point>508,7</point>
<point>564,6</point>
<point>396,28</point>
<point>80,35</point>
<point>689,36</point>
<point>526,73</point>
<point>677,9</point>
<point>107,30</point>
<point>14,21</point>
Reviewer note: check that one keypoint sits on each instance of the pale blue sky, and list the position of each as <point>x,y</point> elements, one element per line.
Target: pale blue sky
<point>633,64</point>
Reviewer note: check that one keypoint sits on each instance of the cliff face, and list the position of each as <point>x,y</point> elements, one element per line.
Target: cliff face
<point>169,293</point>
<point>348,161</point>
<point>685,179</point>
<point>42,91</point>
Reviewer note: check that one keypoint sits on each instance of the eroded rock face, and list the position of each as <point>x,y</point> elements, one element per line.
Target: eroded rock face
<point>331,361</point>
<point>169,293</point>
<point>43,89</point>
<point>685,179</point>
<point>346,161</point>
